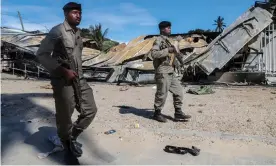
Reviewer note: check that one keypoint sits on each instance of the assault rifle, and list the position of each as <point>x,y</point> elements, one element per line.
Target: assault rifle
<point>69,63</point>
<point>174,55</point>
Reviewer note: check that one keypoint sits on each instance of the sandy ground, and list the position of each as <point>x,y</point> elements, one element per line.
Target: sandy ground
<point>235,125</point>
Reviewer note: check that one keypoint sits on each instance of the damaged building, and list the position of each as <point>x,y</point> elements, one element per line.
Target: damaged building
<point>243,52</point>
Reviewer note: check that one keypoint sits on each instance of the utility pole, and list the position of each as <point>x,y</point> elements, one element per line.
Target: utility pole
<point>20,18</point>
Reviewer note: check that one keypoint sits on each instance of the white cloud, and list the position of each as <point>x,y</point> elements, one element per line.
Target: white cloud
<point>116,18</point>
<point>40,18</point>
<point>23,8</point>
<point>13,22</point>
<point>119,16</point>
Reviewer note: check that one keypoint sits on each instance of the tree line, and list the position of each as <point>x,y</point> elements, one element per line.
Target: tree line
<point>99,35</point>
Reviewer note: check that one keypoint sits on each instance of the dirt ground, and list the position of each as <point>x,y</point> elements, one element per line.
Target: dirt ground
<point>235,125</point>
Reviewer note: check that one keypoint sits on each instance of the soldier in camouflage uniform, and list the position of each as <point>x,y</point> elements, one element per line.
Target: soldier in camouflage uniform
<point>165,76</point>
<point>68,35</point>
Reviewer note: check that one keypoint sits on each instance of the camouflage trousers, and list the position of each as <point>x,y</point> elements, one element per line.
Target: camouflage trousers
<point>167,82</point>
<point>65,105</point>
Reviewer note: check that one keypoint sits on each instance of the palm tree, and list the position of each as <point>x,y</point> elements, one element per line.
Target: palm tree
<point>98,35</point>
<point>220,24</point>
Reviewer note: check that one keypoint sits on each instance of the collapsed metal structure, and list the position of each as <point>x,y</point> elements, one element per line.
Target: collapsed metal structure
<point>243,51</point>
<point>18,52</point>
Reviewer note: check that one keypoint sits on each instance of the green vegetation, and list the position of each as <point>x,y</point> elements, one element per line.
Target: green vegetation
<point>219,22</point>
<point>97,34</point>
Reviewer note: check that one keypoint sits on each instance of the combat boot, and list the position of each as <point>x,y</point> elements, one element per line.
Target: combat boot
<point>159,117</point>
<point>69,157</point>
<point>179,115</point>
<point>75,147</point>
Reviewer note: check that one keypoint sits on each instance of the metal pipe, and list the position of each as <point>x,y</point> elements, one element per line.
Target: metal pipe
<point>12,68</point>
<point>265,52</point>
<point>270,49</point>
<point>259,56</point>
<point>38,71</point>
<point>273,49</point>
<point>25,71</point>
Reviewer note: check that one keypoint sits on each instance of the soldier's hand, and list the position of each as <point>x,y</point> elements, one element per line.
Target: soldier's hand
<point>171,49</point>
<point>70,74</point>
<point>67,73</point>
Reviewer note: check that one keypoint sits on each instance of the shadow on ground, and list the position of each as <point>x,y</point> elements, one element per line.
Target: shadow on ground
<point>40,141</point>
<point>145,113</point>
<point>19,112</point>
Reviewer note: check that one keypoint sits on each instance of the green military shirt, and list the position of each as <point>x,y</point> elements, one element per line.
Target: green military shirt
<point>51,48</point>
<point>160,55</point>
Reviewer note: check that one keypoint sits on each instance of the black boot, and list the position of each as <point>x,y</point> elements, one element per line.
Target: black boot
<point>75,147</point>
<point>179,115</point>
<point>159,117</point>
<point>69,157</point>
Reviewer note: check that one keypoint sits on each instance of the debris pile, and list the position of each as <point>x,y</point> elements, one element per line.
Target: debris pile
<point>202,90</point>
<point>212,56</point>
<point>239,48</point>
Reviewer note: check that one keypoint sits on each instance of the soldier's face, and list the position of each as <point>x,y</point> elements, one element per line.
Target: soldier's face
<point>167,30</point>
<point>74,17</point>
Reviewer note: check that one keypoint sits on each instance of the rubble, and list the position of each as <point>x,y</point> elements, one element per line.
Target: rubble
<point>243,48</point>
<point>203,90</point>
<point>232,39</point>
<point>19,48</point>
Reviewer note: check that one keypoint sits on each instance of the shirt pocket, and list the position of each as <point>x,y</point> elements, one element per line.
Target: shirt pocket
<point>69,45</point>
<point>80,43</point>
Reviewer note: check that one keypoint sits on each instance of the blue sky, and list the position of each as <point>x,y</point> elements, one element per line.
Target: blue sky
<point>126,19</point>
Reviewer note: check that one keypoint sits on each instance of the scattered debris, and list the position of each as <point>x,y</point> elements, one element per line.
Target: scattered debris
<point>200,111</point>
<point>249,120</point>
<point>154,87</point>
<point>54,139</point>
<point>182,150</point>
<point>213,141</point>
<point>273,92</point>
<point>201,91</point>
<point>137,125</point>
<point>24,121</point>
<point>237,51</point>
<point>46,87</point>
<point>124,88</point>
<point>237,35</point>
<point>201,105</point>
<point>191,105</point>
<point>110,132</point>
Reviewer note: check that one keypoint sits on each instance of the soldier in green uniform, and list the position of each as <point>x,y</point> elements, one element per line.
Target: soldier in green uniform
<point>68,35</point>
<point>165,76</point>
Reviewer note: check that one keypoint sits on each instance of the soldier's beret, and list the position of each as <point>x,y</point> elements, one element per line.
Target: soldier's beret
<point>72,6</point>
<point>164,24</point>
